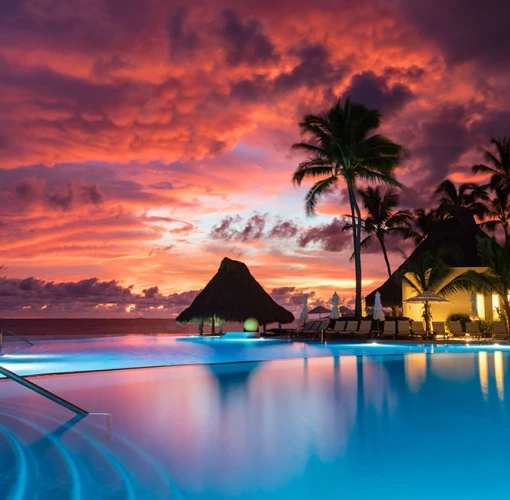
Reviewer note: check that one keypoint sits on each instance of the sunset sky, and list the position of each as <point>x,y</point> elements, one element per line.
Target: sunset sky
<point>141,141</point>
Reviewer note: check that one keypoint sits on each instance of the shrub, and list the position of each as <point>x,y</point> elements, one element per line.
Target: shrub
<point>463,318</point>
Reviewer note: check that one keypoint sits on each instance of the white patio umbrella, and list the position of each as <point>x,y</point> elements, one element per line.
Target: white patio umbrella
<point>304,311</point>
<point>335,301</point>
<point>474,307</point>
<point>378,312</point>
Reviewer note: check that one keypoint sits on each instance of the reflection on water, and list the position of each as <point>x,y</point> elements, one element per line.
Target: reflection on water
<point>499,371</point>
<point>283,429</point>
<point>483,369</point>
<point>416,370</point>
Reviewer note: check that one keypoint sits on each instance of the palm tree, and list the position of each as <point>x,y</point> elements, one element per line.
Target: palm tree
<point>424,221</point>
<point>498,210</point>
<point>496,280</point>
<point>497,163</point>
<point>341,147</point>
<point>468,195</point>
<point>430,273</point>
<point>382,219</point>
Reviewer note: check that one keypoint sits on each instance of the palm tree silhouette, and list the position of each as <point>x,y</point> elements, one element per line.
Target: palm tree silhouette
<point>382,219</point>
<point>497,163</point>
<point>341,147</point>
<point>468,195</point>
<point>498,210</point>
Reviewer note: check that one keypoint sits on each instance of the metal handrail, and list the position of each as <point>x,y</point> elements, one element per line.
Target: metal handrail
<point>43,392</point>
<point>5,330</point>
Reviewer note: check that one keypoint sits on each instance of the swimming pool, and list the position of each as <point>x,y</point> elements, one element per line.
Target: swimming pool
<point>344,422</point>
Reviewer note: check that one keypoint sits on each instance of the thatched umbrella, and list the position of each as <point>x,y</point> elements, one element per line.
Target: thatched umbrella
<point>319,310</point>
<point>234,295</point>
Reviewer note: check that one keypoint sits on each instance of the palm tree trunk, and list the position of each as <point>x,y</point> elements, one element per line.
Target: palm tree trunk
<point>426,315</point>
<point>506,307</point>
<point>385,254</point>
<point>356,236</point>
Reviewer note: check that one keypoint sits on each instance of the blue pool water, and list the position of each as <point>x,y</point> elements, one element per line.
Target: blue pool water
<point>385,422</point>
<point>138,351</point>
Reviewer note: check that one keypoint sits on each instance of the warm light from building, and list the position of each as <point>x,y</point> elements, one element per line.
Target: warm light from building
<point>483,370</point>
<point>480,305</point>
<point>499,371</point>
<point>495,307</point>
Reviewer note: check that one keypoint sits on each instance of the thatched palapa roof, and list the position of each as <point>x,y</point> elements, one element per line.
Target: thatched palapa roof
<point>234,295</point>
<point>460,230</point>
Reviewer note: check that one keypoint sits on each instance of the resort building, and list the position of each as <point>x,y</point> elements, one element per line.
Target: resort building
<point>462,232</point>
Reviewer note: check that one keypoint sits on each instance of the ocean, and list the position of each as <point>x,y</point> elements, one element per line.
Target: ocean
<point>102,326</point>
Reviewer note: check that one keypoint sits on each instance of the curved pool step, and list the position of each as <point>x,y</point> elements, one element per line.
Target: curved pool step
<point>113,468</point>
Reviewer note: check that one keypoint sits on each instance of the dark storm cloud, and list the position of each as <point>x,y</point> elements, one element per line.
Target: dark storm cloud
<point>235,228</point>
<point>75,194</point>
<point>329,236</point>
<point>465,29</point>
<point>85,295</point>
<point>284,229</point>
<point>183,38</point>
<point>442,139</point>
<point>245,40</point>
<point>375,92</point>
<point>491,125</point>
<point>313,69</point>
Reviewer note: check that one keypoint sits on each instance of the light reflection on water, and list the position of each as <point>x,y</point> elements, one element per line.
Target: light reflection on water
<point>344,426</point>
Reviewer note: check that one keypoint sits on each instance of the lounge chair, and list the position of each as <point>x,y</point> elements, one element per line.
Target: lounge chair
<point>473,329</point>
<point>389,330</point>
<point>439,329</point>
<point>500,332</point>
<point>308,329</point>
<point>338,329</point>
<point>456,329</point>
<point>404,331</point>
<point>323,325</point>
<point>417,330</point>
<point>351,328</point>
<point>364,329</point>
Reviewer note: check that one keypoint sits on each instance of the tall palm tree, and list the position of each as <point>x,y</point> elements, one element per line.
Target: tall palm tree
<point>468,195</point>
<point>430,273</point>
<point>498,210</point>
<point>342,147</point>
<point>382,219</point>
<point>496,280</point>
<point>497,163</point>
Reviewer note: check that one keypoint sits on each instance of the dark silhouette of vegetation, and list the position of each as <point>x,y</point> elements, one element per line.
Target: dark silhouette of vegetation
<point>382,219</point>
<point>342,147</point>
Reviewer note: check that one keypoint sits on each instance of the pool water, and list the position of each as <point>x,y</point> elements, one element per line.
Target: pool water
<point>138,351</point>
<point>388,426</point>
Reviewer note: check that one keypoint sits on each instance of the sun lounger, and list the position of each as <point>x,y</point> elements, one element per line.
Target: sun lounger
<point>389,330</point>
<point>338,329</point>
<point>403,329</point>
<point>500,332</point>
<point>439,329</point>
<point>417,330</point>
<point>456,329</point>
<point>323,325</point>
<point>473,329</point>
<point>308,329</point>
<point>350,328</point>
<point>364,329</point>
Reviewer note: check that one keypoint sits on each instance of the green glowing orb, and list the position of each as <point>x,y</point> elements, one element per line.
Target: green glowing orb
<point>251,325</point>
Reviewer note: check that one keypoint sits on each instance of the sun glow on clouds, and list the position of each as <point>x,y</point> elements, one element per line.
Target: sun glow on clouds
<point>158,142</point>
